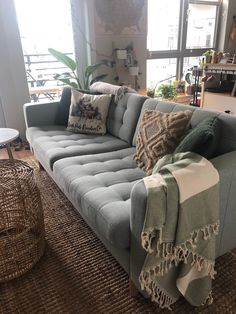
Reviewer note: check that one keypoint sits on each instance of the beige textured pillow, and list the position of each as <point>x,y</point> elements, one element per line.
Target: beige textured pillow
<point>88,113</point>
<point>159,134</point>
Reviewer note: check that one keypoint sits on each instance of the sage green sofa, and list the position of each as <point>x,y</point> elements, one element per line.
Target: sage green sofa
<point>102,181</point>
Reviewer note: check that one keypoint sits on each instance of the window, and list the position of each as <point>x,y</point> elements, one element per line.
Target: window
<point>160,69</point>
<point>179,31</point>
<point>44,24</point>
<point>190,62</point>
<point>201,26</point>
<point>162,31</point>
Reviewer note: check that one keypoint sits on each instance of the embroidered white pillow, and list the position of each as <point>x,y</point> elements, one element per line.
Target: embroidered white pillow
<point>88,113</point>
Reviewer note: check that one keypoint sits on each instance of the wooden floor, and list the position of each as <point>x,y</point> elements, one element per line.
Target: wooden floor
<point>16,154</point>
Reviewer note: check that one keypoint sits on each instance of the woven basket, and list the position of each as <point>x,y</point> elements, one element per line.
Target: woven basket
<point>21,220</point>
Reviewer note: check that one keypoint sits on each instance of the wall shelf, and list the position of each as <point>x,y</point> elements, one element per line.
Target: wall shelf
<point>226,68</point>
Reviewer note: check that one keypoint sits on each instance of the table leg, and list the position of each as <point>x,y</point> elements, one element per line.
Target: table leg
<point>9,151</point>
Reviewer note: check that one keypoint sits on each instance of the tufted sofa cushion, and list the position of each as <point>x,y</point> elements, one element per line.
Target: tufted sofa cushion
<point>123,116</point>
<point>51,143</point>
<point>100,186</point>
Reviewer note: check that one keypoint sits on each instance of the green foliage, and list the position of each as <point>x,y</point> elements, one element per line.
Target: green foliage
<point>71,78</point>
<point>63,58</point>
<point>167,91</point>
<point>208,53</point>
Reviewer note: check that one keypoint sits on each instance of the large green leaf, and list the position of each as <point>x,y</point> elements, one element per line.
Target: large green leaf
<point>98,78</point>
<point>93,67</point>
<point>65,75</point>
<point>67,82</point>
<point>63,58</point>
<point>74,85</point>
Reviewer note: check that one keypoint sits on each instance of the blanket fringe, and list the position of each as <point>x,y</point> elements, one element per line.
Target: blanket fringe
<point>209,299</point>
<point>158,295</point>
<point>165,249</point>
<point>173,255</point>
<point>147,239</point>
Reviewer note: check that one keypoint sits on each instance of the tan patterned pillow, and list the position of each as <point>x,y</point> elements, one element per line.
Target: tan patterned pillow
<point>88,113</point>
<point>159,134</point>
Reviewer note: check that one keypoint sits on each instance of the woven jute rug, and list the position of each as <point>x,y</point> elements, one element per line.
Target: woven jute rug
<point>78,275</point>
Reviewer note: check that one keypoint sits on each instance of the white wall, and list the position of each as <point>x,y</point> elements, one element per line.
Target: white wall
<point>80,34</point>
<point>13,85</point>
<point>116,24</point>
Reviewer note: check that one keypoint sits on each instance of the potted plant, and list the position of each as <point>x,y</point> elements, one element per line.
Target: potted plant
<point>121,54</point>
<point>71,78</point>
<point>166,91</point>
<point>150,92</point>
<point>134,68</point>
<point>208,55</point>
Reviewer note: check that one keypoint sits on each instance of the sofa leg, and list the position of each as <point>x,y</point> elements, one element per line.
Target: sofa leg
<point>40,167</point>
<point>133,291</point>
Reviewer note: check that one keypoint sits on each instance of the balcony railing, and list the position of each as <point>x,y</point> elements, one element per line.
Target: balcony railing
<point>40,71</point>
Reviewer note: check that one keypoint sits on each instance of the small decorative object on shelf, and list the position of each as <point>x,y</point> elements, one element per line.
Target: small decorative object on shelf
<point>214,57</point>
<point>180,86</point>
<point>208,56</point>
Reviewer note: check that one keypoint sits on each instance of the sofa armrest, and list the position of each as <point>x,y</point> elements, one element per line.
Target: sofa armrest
<point>226,166</point>
<point>138,211</point>
<point>138,208</point>
<point>42,113</point>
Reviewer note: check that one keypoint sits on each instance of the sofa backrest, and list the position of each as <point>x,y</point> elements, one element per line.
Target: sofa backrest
<point>64,107</point>
<point>123,116</point>
<point>227,141</point>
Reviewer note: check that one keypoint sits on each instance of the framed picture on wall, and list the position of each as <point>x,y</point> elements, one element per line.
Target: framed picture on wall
<point>180,86</point>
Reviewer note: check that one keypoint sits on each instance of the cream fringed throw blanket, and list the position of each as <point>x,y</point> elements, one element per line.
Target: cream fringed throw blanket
<point>180,228</point>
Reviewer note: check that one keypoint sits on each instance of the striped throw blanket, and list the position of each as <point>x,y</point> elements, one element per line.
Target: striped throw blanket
<point>180,228</point>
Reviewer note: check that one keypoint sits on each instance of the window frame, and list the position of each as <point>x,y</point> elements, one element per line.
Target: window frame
<point>182,52</point>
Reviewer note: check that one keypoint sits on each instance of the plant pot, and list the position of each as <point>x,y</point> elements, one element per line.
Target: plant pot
<point>208,59</point>
<point>150,93</point>
<point>134,70</point>
<point>121,54</point>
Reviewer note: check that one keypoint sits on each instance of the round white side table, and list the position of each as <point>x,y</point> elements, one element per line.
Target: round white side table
<point>6,137</point>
